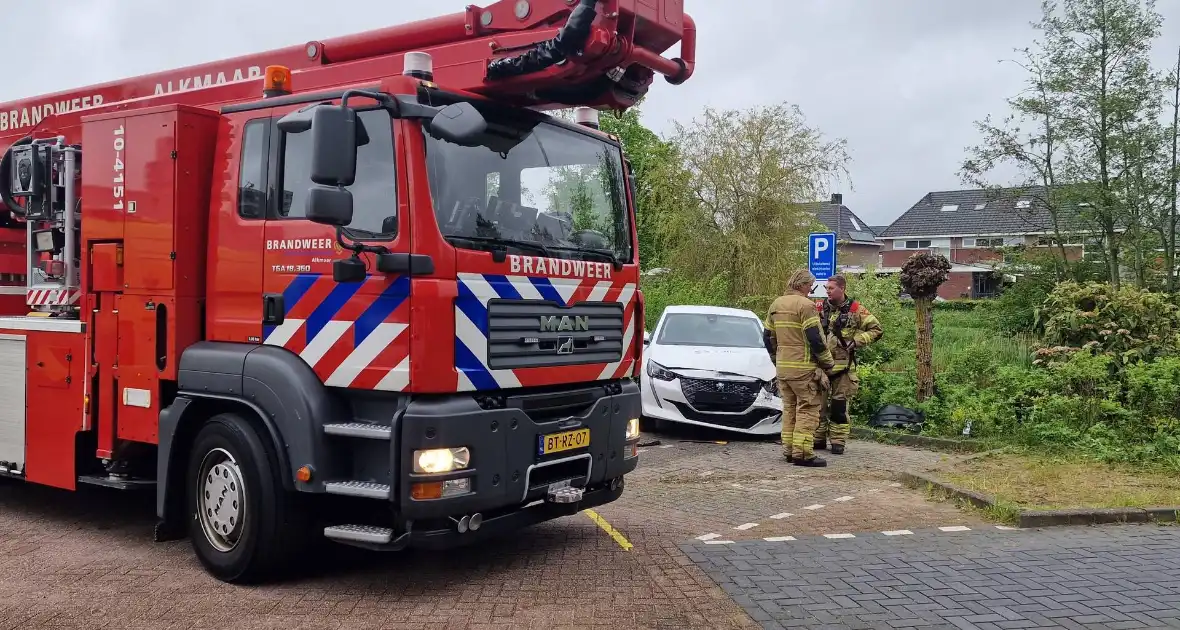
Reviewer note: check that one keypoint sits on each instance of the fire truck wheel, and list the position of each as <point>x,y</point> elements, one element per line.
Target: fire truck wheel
<point>242,523</point>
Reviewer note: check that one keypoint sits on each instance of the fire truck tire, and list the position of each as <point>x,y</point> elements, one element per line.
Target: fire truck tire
<point>244,527</point>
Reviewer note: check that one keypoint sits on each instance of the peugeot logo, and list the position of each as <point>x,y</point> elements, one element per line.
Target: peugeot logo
<point>564,323</point>
<point>720,385</point>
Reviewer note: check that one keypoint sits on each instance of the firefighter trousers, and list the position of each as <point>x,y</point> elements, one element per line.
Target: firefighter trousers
<point>802,398</point>
<point>834,419</point>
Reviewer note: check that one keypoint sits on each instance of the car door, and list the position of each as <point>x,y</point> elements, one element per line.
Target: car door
<point>352,334</point>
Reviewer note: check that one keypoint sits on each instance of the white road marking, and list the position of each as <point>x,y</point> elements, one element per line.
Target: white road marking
<point>899,532</point>
<point>895,485</point>
<point>746,526</point>
<point>667,446</point>
<point>955,528</point>
<point>781,516</point>
<point>718,542</point>
<point>843,499</point>
<point>708,536</point>
<point>839,536</point>
<point>814,507</point>
<point>875,490</point>
<point>1006,528</point>
<point>706,473</point>
<point>779,539</point>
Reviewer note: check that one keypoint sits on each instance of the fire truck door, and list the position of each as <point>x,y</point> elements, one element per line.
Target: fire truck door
<point>353,334</point>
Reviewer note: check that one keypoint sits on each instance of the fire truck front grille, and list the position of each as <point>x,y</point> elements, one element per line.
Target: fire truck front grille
<point>527,333</point>
<point>719,396</point>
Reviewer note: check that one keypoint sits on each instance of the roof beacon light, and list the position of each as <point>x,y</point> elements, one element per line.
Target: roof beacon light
<point>419,65</point>
<point>276,81</point>
<point>587,117</point>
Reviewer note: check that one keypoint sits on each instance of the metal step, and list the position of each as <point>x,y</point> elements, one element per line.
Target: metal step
<point>366,489</point>
<point>360,430</point>
<point>359,534</point>
<point>118,483</point>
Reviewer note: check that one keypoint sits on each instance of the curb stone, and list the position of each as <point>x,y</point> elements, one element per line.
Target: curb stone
<point>1047,518</point>
<point>920,441</point>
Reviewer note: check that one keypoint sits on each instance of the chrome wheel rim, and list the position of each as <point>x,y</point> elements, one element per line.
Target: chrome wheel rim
<point>221,500</point>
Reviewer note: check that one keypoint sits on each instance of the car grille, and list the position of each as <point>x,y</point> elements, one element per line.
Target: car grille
<point>519,338</point>
<point>719,396</point>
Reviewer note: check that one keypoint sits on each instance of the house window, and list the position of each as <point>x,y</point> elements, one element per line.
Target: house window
<point>980,206</point>
<point>950,207</point>
<point>920,244</point>
<point>1024,204</point>
<point>990,242</point>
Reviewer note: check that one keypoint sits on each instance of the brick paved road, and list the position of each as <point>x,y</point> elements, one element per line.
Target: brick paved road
<point>1111,578</point>
<point>87,560</point>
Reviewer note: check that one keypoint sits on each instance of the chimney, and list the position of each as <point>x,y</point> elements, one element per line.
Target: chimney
<point>837,199</point>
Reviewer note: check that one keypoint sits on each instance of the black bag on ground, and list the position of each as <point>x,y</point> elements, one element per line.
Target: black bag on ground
<point>898,417</point>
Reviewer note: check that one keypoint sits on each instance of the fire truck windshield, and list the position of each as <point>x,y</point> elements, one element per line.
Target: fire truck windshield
<point>534,185</point>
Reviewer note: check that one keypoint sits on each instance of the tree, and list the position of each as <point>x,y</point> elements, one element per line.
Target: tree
<point>1093,104</point>
<point>733,193</point>
<point>921,275</point>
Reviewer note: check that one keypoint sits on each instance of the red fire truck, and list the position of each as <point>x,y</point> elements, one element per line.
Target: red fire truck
<point>362,289</point>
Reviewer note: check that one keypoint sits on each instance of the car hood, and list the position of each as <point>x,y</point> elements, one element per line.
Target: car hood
<point>711,362</point>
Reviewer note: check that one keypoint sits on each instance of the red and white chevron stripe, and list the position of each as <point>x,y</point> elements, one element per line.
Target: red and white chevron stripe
<point>51,297</point>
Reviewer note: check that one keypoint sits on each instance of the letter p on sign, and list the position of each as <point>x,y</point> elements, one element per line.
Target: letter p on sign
<point>821,255</point>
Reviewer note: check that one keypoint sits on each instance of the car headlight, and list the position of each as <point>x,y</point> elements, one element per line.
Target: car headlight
<point>659,372</point>
<point>632,429</point>
<point>441,460</point>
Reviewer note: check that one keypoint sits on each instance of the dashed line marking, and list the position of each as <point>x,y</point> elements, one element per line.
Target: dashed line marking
<point>875,490</point>
<point>814,507</point>
<point>746,526</point>
<point>718,542</point>
<point>899,532</point>
<point>1006,528</point>
<point>779,517</point>
<point>895,485</point>
<point>843,499</point>
<point>708,536</point>
<point>834,536</point>
<point>606,527</point>
<point>779,538</point>
<point>955,528</point>
<point>667,446</point>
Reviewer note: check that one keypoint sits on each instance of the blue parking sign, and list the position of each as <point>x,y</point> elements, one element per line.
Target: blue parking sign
<point>821,255</point>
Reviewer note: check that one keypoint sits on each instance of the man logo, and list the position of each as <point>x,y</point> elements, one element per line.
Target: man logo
<point>564,323</point>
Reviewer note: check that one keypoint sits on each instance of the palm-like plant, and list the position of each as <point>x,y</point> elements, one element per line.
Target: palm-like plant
<point>921,275</point>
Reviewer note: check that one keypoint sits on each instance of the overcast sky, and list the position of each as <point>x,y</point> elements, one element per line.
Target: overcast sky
<point>901,80</point>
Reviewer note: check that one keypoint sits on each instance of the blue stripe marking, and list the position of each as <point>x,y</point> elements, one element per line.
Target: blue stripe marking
<point>266,331</point>
<point>329,307</point>
<point>545,288</point>
<point>471,306</point>
<point>296,290</point>
<point>502,287</point>
<point>466,362</point>
<point>386,303</point>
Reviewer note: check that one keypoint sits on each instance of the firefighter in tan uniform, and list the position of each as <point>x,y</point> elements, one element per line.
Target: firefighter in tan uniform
<point>847,325</point>
<point>794,337</point>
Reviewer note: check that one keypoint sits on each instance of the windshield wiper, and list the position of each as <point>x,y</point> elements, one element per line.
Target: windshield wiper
<point>609,257</point>
<point>506,243</point>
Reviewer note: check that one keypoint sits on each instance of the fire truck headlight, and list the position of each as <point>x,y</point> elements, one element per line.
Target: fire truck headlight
<point>632,429</point>
<point>441,460</point>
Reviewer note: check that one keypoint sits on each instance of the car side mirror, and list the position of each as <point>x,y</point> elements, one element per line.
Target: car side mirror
<point>336,133</point>
<point>646,338</point>
<point>458,123</point>
<point>329,205</point>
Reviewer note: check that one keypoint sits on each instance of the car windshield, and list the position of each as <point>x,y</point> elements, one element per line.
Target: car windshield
<point>532,185</point>
<point>709,329</point>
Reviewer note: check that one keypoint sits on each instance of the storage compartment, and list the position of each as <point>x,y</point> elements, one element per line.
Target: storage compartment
<point>12,401</point>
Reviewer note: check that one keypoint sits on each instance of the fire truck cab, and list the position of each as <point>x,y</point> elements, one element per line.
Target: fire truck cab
<point>384,299</point>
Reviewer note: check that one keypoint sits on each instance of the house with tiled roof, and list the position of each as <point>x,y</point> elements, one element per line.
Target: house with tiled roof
<point>857,246</point>
<point>972,228</point>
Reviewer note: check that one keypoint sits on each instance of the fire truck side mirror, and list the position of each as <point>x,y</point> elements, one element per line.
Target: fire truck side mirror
<point>329,205</point>
<point>335,135</point>
<point>458,123</point>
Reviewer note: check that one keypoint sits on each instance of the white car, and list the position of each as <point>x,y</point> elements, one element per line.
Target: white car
<point>707,366</point>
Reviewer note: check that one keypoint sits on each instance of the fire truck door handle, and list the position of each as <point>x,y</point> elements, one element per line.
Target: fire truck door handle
<point>272,308</point>
<point>413,264</point>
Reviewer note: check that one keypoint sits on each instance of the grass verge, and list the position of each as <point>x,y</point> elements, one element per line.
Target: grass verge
<point>1039,482</point>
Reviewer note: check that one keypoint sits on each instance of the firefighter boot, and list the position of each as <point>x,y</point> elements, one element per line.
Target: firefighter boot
<point>839,430</point>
